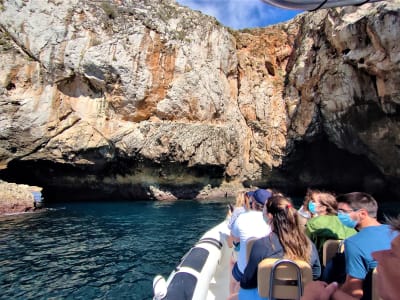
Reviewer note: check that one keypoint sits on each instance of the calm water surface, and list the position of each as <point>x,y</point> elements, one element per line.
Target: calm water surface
<point>108,250</point>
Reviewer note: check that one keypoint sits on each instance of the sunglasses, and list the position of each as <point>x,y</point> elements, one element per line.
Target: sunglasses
<point>347,211</point>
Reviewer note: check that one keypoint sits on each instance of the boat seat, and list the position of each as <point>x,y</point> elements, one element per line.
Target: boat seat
<point>282,278</point>
<point>249,245</point>
<point>330,249</point>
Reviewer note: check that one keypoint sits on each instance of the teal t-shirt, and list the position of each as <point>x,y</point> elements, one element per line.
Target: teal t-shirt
<point>359,247</point>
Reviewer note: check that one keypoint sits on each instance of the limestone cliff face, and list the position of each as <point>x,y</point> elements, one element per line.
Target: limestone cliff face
<point>151,99</point>
<point>346,72</point>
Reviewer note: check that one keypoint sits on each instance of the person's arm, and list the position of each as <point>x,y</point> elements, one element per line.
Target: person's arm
<point>232,239</point>
<point>355,269</point>
<point>235,235</point>
<point>340,295</point>
<point>319,290</point>
<point>353,286</point>
<point>249,278</point>
<point>316,264</point>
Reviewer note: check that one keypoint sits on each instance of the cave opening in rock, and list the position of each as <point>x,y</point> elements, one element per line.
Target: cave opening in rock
<point>320,164</point>
<point>317,164</point>
<point>124,179</point>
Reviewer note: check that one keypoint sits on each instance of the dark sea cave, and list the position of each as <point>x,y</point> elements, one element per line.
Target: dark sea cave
<point>319,164</point>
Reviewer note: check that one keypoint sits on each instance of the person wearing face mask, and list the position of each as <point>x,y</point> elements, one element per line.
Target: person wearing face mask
<point>387,276</point>
<point>242,205</point>
<point>286,240</point>
<point>325,224</point>
<point>247,225</point>
<point>359,210</point>
<point>303,212</point>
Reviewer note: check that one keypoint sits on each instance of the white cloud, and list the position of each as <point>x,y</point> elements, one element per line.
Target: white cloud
<point>240,14</point>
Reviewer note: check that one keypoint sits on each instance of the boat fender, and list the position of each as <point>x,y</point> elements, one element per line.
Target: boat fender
<point>193,274</point>
<point>190,280</point>
<point>181,287</point>
<point>183,283</point>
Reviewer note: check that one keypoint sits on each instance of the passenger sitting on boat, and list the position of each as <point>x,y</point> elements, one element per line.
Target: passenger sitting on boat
<point>303,213</point>
<point>359,210</point>
<point>286,240</point>
<point>387,276</point>
<point>249,224</point>
<point>325,224</point>
<point>242,205</point>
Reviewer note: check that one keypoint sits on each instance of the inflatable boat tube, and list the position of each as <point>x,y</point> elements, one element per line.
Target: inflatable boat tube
<point>192,277</point>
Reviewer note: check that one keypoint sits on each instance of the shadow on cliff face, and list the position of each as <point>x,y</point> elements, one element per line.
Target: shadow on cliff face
<point>322,165</point>
<point>319,164</point>
<point>122,180</point>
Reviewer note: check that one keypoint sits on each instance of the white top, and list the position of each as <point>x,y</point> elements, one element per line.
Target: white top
<point>235,214</point>
<point>248,224</point>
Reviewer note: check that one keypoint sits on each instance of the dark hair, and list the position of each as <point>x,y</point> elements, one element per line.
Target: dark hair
<point>285,225</point>
<point>394,222</point>
<point>359,200</point>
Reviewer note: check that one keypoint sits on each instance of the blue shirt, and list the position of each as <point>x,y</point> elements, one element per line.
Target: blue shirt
<point>358,249</point>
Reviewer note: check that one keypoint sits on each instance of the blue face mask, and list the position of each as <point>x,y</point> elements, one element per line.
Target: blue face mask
<point>266,219</point>
<point>312,207</point>
<point>346,220</point>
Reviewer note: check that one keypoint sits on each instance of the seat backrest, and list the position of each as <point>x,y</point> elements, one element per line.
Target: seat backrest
<point>330,248</point>
<point>375,294</point>
<point>282,278</point>
<point>249,245</point>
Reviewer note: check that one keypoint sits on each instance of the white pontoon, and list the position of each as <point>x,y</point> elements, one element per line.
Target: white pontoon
<point>203,272</point>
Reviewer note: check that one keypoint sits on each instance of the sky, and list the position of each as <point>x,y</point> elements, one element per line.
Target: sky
<point>240,14</point>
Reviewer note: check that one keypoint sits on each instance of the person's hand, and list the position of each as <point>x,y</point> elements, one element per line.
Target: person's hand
<point>319,290</point>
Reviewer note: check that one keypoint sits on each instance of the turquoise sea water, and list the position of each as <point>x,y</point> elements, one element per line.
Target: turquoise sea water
<point>107,250</point>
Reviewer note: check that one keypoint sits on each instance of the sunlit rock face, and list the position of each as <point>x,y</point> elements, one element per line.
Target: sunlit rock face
<point>346,71</point>
<point>153,100</point>
<point>16,198</point>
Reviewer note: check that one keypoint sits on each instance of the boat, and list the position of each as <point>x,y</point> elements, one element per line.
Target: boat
<point>312,5</point>
<point>204,271</point>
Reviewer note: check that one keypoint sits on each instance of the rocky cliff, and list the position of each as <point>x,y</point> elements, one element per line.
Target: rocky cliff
<point>17,198</point>
<point>148,99</point>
